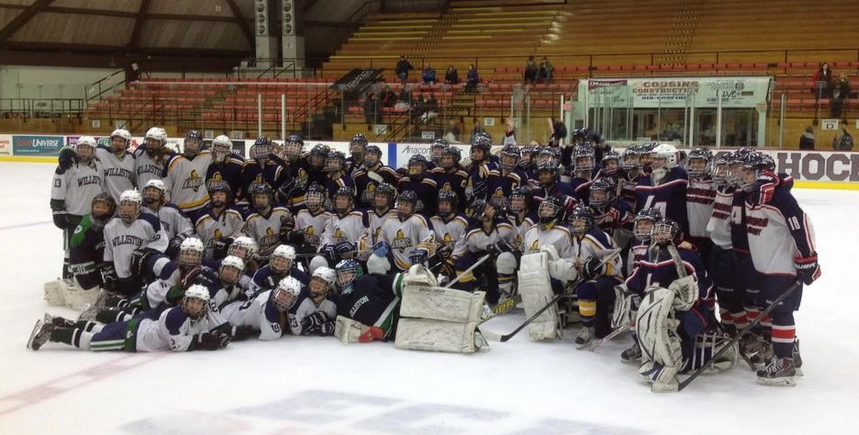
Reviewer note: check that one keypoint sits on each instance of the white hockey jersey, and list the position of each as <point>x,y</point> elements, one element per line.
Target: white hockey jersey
<point>259,313</point>
<point>406,236</point>
<point>266,229</point>
<point>173,221</point>
<point>521,228</point>
<point>119,173</point>
<point>146,168</point>
<point>700,195</point>
<point>719,225</point>
<point>121,240</point>
<point>553,234</point>
<point>311,225</point>
<point>453,231</point>
<point>478,240</point>
<point>597,243</point>
<point>75,188</point>
<point>376,220</point>
<point>210,228</point>
<point>349,228</point>
<point>186,181</point>
<point>174,330</point>
<point>307,308</point>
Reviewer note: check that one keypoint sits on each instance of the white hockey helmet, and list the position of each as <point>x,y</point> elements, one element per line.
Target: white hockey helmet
<point>285,255</point>
<point>286,293</point>
<point>191,252</point>
<point>156,183</point>
<point>156,133</point>
<point>85,142</point>
<point>243,242</point>
<point>225,275</point>
<point>133,197</point>
<point>234,262</point>
<point>222,147</point>
<point>121,132</point>
<point>198,296</point>
<point>664,158</point>
<point>326,275</point>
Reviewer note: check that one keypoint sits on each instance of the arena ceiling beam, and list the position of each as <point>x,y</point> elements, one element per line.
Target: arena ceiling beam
<point>138,23</point>
<point>23,18</point>
<point>243,23</point>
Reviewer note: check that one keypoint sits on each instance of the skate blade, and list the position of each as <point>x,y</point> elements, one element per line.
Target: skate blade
<point>780,382</point>
<point>36,329</point>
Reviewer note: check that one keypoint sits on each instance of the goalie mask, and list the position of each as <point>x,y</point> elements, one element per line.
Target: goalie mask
<point>243,247</point>
<point>231,270</point>
<point>347,272</point>
<point>281,259</point>
<point>549,210</point>
<point>643,223</point>
<point>190,253</point>
<point>665,232</point>
<point>664,160</point>
<point>286,294</point>
<point>222,147</point>
<point>129,206</point>
<point>195,303</point>
<point>321,283</point>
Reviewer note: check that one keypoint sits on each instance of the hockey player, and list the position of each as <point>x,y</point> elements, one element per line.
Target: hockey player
<point>150,160</point>
<point>424,187</point>
<point>77,180</point>
<point>260,168</point>
<point>187,327</point>
<point>479,168</point>
<point>270,224</point>
<point>612,215</point>
<point>681,272</point>
<point>641,227</point>
<point>175,223</point>
<point>343,229</point>
<point>382,210</point>
<point>281,264</point>
<point>547,231</point>
<point>449,176</point>
<point>372,175</point>
<point>436,149</point>
<point>584,159</point>
<point>488,234</point>
<point>409,235</point>
<point>316,314</point>
<point>87,243</point>
<point>368,299</point>
<point>551,187</point>
<point>266,313</point>
<point>217,224</point>
<point>665,188</point>
<point>357,148</point>
<point>503,181</point>
<point>132,230</point>
<point>226,166</point>
<point>595,291</point>
<point>308,170</point>
<point>630,170</point>
<point>185,174</point>
<point>519,215</point>
<point>450,230</point>
<point>610,166</point>
<point>246,249</point>
<point>781,242</point>
<point>118,164</point>
<point>310,222</point>
<point>232,284</point>
<point>699,197</point>
<point>335,166</point>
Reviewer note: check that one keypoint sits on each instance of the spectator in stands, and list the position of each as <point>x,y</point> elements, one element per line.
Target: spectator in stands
<point>388,97</point>
<point>821,81</point>
<point>531,71</point>
<point>471,79</point>
<point>403,67</point>
<point>843,141</point>
<point>372,111</point>
<point>430,108</point>
<point>806,141</point>
<point>428,75</point>
<point>838,95</point>
<point>451,133</point>
<point>475,129</point>
<point>559,132</point>
<point>547,70</point>
<point>451,77</point>
<point>669,133</point>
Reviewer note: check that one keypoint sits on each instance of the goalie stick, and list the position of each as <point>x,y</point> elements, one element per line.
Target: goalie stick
<point>554,301</point>
<point>739,335</point>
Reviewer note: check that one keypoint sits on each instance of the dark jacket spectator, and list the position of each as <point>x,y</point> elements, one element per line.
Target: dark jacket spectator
<point>471,79</point>
<point>372,111</point>
<point>843,141</point>
<point>403,67</point>
<point>428,75</point>
<point>388,98</point>
<point>821,79</point>
<point>531,71</point>
<point>838,95</point>
<point>547,70</point>
<point>806,141</point>
<point>451,77</point>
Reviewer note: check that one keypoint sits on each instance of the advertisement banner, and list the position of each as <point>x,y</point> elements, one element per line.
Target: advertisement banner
<point>37,145</point>
<point>5,145</point>
<point>673,92</point>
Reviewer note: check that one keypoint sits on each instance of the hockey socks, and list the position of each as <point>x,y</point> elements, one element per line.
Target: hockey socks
<point>76,337</point>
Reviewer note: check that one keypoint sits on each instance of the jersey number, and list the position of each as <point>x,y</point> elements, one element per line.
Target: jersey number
<point>660,205</point>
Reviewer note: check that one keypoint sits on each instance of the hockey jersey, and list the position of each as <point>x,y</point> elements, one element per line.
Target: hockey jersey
<point>119,173</point>
<point>521,226</point>
<point>265,279</point>
<point>373,300</point>
<point>700,196</point>
<point>308,307</point>
<point>260,313</point>
<point>669,197</point>
<point>146,168</point>
<point>406,236</point>
<point>173,220</point>
<point>186,182</point>
<point>427,193</point>
<point>312,226</point>
<point>454,181</point>
<point>230,171</point>
<point>211,227</point>
<point>122,240</point>
<point>501,184</point>
<point>86,252</point>
<point>173,330</point>
<point>553,234</point>
<point>451,231</point>
<point>478,240</point>
<point>597,243</point>
<point>719,225</point>
<point>265,229</point>
<point>349,228</point>
<point>365,184</point>
<point>74,189</point>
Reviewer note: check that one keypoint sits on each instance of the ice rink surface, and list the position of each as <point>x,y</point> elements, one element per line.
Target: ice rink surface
<point>312,385</point>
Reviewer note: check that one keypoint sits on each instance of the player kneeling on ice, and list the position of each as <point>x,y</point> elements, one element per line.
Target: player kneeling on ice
<point>187,327</point>
<point>674,313</point>
<point>368,305</point>
<point>266,313</point>
<point>316,314</point>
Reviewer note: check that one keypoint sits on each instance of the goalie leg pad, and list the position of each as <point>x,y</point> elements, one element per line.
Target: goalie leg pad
<point>536,289</point>
<point>422,334</point>
<point>438,303</point>
<point>661,346</point>
<point>348,330</point>
<point>54,293</point>
<point>77,298</point>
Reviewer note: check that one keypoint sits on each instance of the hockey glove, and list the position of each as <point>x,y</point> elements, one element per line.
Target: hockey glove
<point>241,333</point>
<point>592,268</point>
<point>212,341</point>
<point>221,246</point>
<point>447,269</point>
<point>190,277</point>
<point>330,252</point>
<point>344,248</point>
<point>175,243</point>
<point>207,278</point>
<point>295,237</point>
<point>67,160</point>
<point>61,220</point>
<point>807,269</point>
<point>480,189</point>
<point>312,324</point>
<point>285,191</point>
<point>418,256</point>
<point>108,276</point>
<point>381,248</point>
<point>139,258</point>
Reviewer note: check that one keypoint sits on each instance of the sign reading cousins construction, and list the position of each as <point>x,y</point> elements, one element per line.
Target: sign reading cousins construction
<point>670,92</point>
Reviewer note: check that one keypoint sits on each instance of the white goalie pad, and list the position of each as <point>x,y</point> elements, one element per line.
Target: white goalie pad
<point>423,334</point>
<point>536,290</point>
<point>662,357</point>
<point>439,303</point>
<point>685,292</point>
<point>418,275</point>
<point>622,307</point>
<point>347,330</point>
<point>60,293</point>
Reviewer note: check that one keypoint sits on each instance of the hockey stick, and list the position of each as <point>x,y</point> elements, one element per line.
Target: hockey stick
<point>552,302</point>
<point>593,345</point>
<point>740,335</point>
<point>474,266</point>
